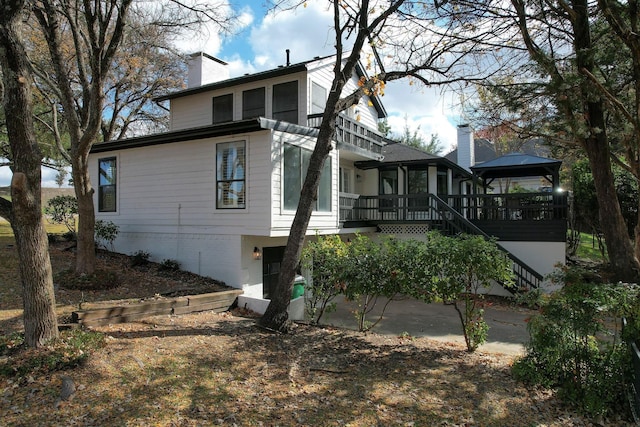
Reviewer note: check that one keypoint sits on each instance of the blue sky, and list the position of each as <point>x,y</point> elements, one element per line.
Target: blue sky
<point>306,32</point>
<point>260,43</point>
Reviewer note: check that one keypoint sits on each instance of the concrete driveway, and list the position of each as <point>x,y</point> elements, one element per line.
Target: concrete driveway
<point>507,326</point>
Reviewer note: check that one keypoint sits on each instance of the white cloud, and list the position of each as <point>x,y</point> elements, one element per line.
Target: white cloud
<point>428,108</point>
<point>207,36</point>
<point>305,31</point>
<point>48,177</point>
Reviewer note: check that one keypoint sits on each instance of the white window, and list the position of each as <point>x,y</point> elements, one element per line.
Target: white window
<point>223,108</point>
<point>230,175</point>
<point>107,182</point>
<point>346,180</point>
<point>296,163</point>
<point>253,103</point>
<point>318,98</point>
<point>285,102</point>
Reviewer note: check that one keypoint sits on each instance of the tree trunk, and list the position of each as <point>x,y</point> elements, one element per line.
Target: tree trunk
<point>86,249</point>
<point>276,316</point>
<point>31,238</point>
<point>621,252</point>
<point>40,323</point>
<point>622,257</point>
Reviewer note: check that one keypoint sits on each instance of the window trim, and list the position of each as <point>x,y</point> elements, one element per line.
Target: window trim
<point>102,186</point>
<point>219,180</point>
<point>328,167</point>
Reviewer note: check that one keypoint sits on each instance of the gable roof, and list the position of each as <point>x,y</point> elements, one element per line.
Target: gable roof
<point>399,155</point>
<point>265,75</point>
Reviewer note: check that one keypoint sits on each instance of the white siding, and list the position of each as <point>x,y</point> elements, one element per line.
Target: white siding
<point>323,222</point>
<point>162,187</point>
<point>197,110</point>
<point>213,255</point>
<point>323,75</point>
<point>194,110</point>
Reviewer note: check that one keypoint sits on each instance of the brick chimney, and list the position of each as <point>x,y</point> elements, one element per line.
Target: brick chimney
<point>205,69</point>
<point>466,147</point>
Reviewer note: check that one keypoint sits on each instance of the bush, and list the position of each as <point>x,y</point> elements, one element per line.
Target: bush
<point>106,232</point>
<point>325,259</point>
<point>575,346</point>
<point>462,266</point>
<point>63,210</point>
<point>449,268</point>
<point>140,258</point>
<point>170,265</point>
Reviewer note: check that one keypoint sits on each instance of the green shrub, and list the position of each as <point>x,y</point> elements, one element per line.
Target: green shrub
<point>106,232</point>
<point>575,346</point>
<point>325,259</point>
<point>140,258</point>
<point>63,210</point>
<point>170,265</point>
<point>463,266</point>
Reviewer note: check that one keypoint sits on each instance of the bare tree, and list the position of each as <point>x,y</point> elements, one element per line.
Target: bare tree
<point>426,43</point>
<point>40,322</point>
<point>85,42</point>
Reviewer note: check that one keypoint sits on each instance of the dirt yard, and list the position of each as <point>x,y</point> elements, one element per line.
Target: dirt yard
<point>220,369</point>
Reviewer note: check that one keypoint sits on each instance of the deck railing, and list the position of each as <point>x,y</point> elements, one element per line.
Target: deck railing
<point>419,207</point>
<point>512,206</point>
<point>352,132</point>
<point>347,202</point>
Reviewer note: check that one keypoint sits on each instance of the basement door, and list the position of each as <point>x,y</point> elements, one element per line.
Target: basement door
<point>271,260</point>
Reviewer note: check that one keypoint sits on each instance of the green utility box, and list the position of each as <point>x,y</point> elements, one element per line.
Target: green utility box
<point>298,287</point>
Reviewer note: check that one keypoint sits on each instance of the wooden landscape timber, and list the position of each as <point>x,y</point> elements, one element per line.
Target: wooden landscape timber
<point>123,313</point>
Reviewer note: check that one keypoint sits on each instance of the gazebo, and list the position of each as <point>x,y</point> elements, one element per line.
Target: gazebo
<point>525,216</point>
<point>517,165</point>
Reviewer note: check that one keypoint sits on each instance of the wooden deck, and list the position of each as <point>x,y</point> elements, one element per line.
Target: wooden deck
<point>509,217</point>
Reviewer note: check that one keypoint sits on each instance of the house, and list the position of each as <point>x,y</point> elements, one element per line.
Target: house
<point>218,191</point>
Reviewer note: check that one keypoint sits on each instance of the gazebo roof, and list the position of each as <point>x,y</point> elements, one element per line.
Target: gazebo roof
<point>517,165</point>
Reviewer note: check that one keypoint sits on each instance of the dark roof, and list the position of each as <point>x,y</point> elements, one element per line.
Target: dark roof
<point>517,165</point>
<point>247,78</point>
<point>401,153</point>
<point>264,75</point>
<point>404,155</point>
<point>231,128</point>
<point>484,150</point>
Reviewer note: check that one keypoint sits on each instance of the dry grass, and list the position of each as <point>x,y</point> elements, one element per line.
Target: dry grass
<point>220,369</point>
